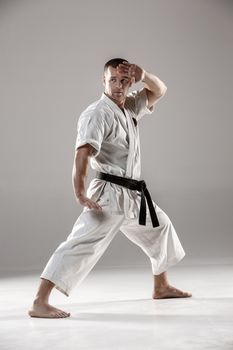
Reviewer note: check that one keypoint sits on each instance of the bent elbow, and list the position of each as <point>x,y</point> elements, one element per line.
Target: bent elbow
<point>163,90</point>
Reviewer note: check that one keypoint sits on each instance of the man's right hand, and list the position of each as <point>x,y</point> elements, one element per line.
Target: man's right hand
<point>87,202</point>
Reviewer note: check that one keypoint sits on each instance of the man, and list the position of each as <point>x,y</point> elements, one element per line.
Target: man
<point>116,199</point>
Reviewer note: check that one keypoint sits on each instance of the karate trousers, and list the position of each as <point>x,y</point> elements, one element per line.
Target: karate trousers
<point>92,233</point>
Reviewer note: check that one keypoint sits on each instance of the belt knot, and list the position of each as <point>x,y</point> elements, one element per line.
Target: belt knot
<point>142,185</point>
<point>138,185</point>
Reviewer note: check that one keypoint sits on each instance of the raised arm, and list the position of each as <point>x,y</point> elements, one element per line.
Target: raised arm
<point>79,176</point>
<point>155,88</point>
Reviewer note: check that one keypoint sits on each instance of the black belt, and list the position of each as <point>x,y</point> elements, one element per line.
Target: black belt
<point>136,185</point>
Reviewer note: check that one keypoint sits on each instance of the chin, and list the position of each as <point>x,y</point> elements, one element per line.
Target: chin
<point>117,98</point>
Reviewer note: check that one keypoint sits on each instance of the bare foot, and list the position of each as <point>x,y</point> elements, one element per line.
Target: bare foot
<point>44,310</point>
<point>169,292</point>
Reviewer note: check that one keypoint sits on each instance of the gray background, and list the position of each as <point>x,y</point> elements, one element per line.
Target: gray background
<point>51,62</point>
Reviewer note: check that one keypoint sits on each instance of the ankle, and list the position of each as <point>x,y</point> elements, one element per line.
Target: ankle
<point>40,300</point>
<point>161,285</point>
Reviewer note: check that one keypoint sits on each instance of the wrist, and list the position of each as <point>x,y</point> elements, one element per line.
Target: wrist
<point>143,75</point>
<point>80,194</point>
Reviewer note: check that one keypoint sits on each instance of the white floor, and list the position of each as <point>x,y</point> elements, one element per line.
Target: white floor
<point>113,309</point>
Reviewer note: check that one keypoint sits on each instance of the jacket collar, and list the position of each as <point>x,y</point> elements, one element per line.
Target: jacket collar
<point>110,103</point>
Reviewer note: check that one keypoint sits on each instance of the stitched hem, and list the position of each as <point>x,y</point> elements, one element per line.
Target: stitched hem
<point>170,263</point>
<point>58,285</point>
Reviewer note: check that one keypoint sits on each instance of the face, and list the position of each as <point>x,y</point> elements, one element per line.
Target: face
<point>116,85</point>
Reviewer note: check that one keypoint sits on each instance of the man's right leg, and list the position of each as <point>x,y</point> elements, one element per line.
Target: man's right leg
<point>74,258</point>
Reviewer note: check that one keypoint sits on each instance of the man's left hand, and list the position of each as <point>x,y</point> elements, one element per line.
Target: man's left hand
<point>133,71</point>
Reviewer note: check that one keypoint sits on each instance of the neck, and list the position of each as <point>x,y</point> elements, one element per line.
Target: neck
<point>119,104</point>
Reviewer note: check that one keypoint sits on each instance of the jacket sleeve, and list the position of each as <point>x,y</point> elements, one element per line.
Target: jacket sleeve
<point>137,103</point>
<point>90,129</point>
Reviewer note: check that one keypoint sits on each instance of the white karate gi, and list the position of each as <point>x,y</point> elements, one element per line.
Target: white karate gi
<point>115,139</point>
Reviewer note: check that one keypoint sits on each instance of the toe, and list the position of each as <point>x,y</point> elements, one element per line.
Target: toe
<point>186,294</point>
<point>63,313</point>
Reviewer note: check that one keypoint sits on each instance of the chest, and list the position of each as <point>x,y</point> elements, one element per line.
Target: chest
<point>119,130</point>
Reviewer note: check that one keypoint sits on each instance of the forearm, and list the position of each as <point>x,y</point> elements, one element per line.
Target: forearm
<point>79,174</point>
<point>153,83</point>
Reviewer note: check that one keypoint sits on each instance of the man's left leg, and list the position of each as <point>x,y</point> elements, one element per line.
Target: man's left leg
<point>162,246</point>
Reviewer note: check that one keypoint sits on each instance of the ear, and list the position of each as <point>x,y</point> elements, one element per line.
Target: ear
<point>103,80</point>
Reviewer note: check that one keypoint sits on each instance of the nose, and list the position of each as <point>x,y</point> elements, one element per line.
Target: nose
<point>119,84</point>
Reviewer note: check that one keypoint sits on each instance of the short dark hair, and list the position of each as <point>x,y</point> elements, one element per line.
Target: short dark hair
<point>113,63</point>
